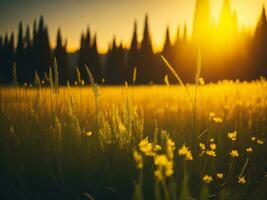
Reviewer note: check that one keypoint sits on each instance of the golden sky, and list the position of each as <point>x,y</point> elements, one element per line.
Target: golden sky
<point>115,17</point>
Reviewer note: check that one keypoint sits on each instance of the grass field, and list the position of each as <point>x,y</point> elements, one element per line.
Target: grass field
<point>143,142</point>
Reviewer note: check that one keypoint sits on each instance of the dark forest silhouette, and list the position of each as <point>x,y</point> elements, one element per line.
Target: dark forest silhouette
<point>222,59</point>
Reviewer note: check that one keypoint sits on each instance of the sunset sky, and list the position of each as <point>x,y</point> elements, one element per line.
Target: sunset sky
<point>115,17</point>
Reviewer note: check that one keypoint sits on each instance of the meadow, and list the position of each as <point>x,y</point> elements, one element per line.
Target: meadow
<point>203,141</point>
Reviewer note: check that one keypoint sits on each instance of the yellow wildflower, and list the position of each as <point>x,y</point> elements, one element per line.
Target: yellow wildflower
<point>169,169</point>
<point>184,151</point>
<point>201,81</point>
<point>160,160</point>
<point>260,141</point>
<point>138,159</point>
<point>211,115</point>
<point>214,118</point>
<point>211,153</point>
<point>219,175</point>
<point>213,146</point>
<point>157,147</point>
<point>170,143</point>
<point>212,140</point>
<point>253,139</point>
<point>170,146</point>
<point>242,180</point>
<point>249,149</point>
<point>121,127</point>
<point>207,179</point>
<point>202,146</point>
<point>158,174</point>
<point>217,120</point>
<point>89,133</point>
<point>232,135</point>
<point>146,147</point>
<point>234,153</point>
<point>164,167</point>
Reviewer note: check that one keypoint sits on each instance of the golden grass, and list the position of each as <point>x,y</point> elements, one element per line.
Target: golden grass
<point>59,129</point>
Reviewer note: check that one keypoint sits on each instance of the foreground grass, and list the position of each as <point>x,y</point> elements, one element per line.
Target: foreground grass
<point>72,143</point>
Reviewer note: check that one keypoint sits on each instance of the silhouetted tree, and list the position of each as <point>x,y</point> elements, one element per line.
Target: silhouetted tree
<point>60,54</point>
<point>167,48</point>
<point>133,55</point>
<point>146,72</point>
<point>259,48</point>
<point>94,62</point>
<point>115,65</point>
<point>168,52</point>
<point>19,55</point>
<point>28,57</point>
<point>8,58</point>
<point>88,55</point>
<point>87,47</point>
<point>43,48</point>
<point>34,50</point>
<point>1,58</point>
<point>224,55</point>
<point>177,39</point>
<point>83,58</point>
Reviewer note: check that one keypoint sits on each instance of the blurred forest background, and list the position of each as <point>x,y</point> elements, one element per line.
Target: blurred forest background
<point>227,52</point>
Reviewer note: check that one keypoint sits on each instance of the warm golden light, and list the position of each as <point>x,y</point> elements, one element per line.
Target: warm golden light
<point>173,12</point>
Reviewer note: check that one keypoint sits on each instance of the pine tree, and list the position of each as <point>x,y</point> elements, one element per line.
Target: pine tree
<point>43,49</point>
<point>95,61</point>
<point>132,60</point>
<point>1,58</point>
<point>20,55</point>
<point>34,49</point>
<point>81,59</point>
<point>115,65</point>
<point>4,61</point>
<point>1,41</point>
<point>166,51</point>
<point>87,50</point>
<point>145,72</point>
<point>259,47</point>
<point>177,39</point>
<point>60,54</point>
<point>8,55</point>
<point>27,59</point>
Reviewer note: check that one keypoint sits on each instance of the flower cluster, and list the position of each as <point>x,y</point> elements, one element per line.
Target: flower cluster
<point>184,151</point>
<point>232,135</point>
<point>207,179</point>
<point>164,167</point>
<point>146,147</point>
<point>242,180</point>
<point>234,153</point>
<point>138,159</point>
<point>215,118</point>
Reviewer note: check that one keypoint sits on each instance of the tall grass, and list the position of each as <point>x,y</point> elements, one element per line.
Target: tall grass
<point>73,143</point>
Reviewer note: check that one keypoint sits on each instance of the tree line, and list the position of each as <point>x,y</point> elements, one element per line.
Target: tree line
<point>236,54</point>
